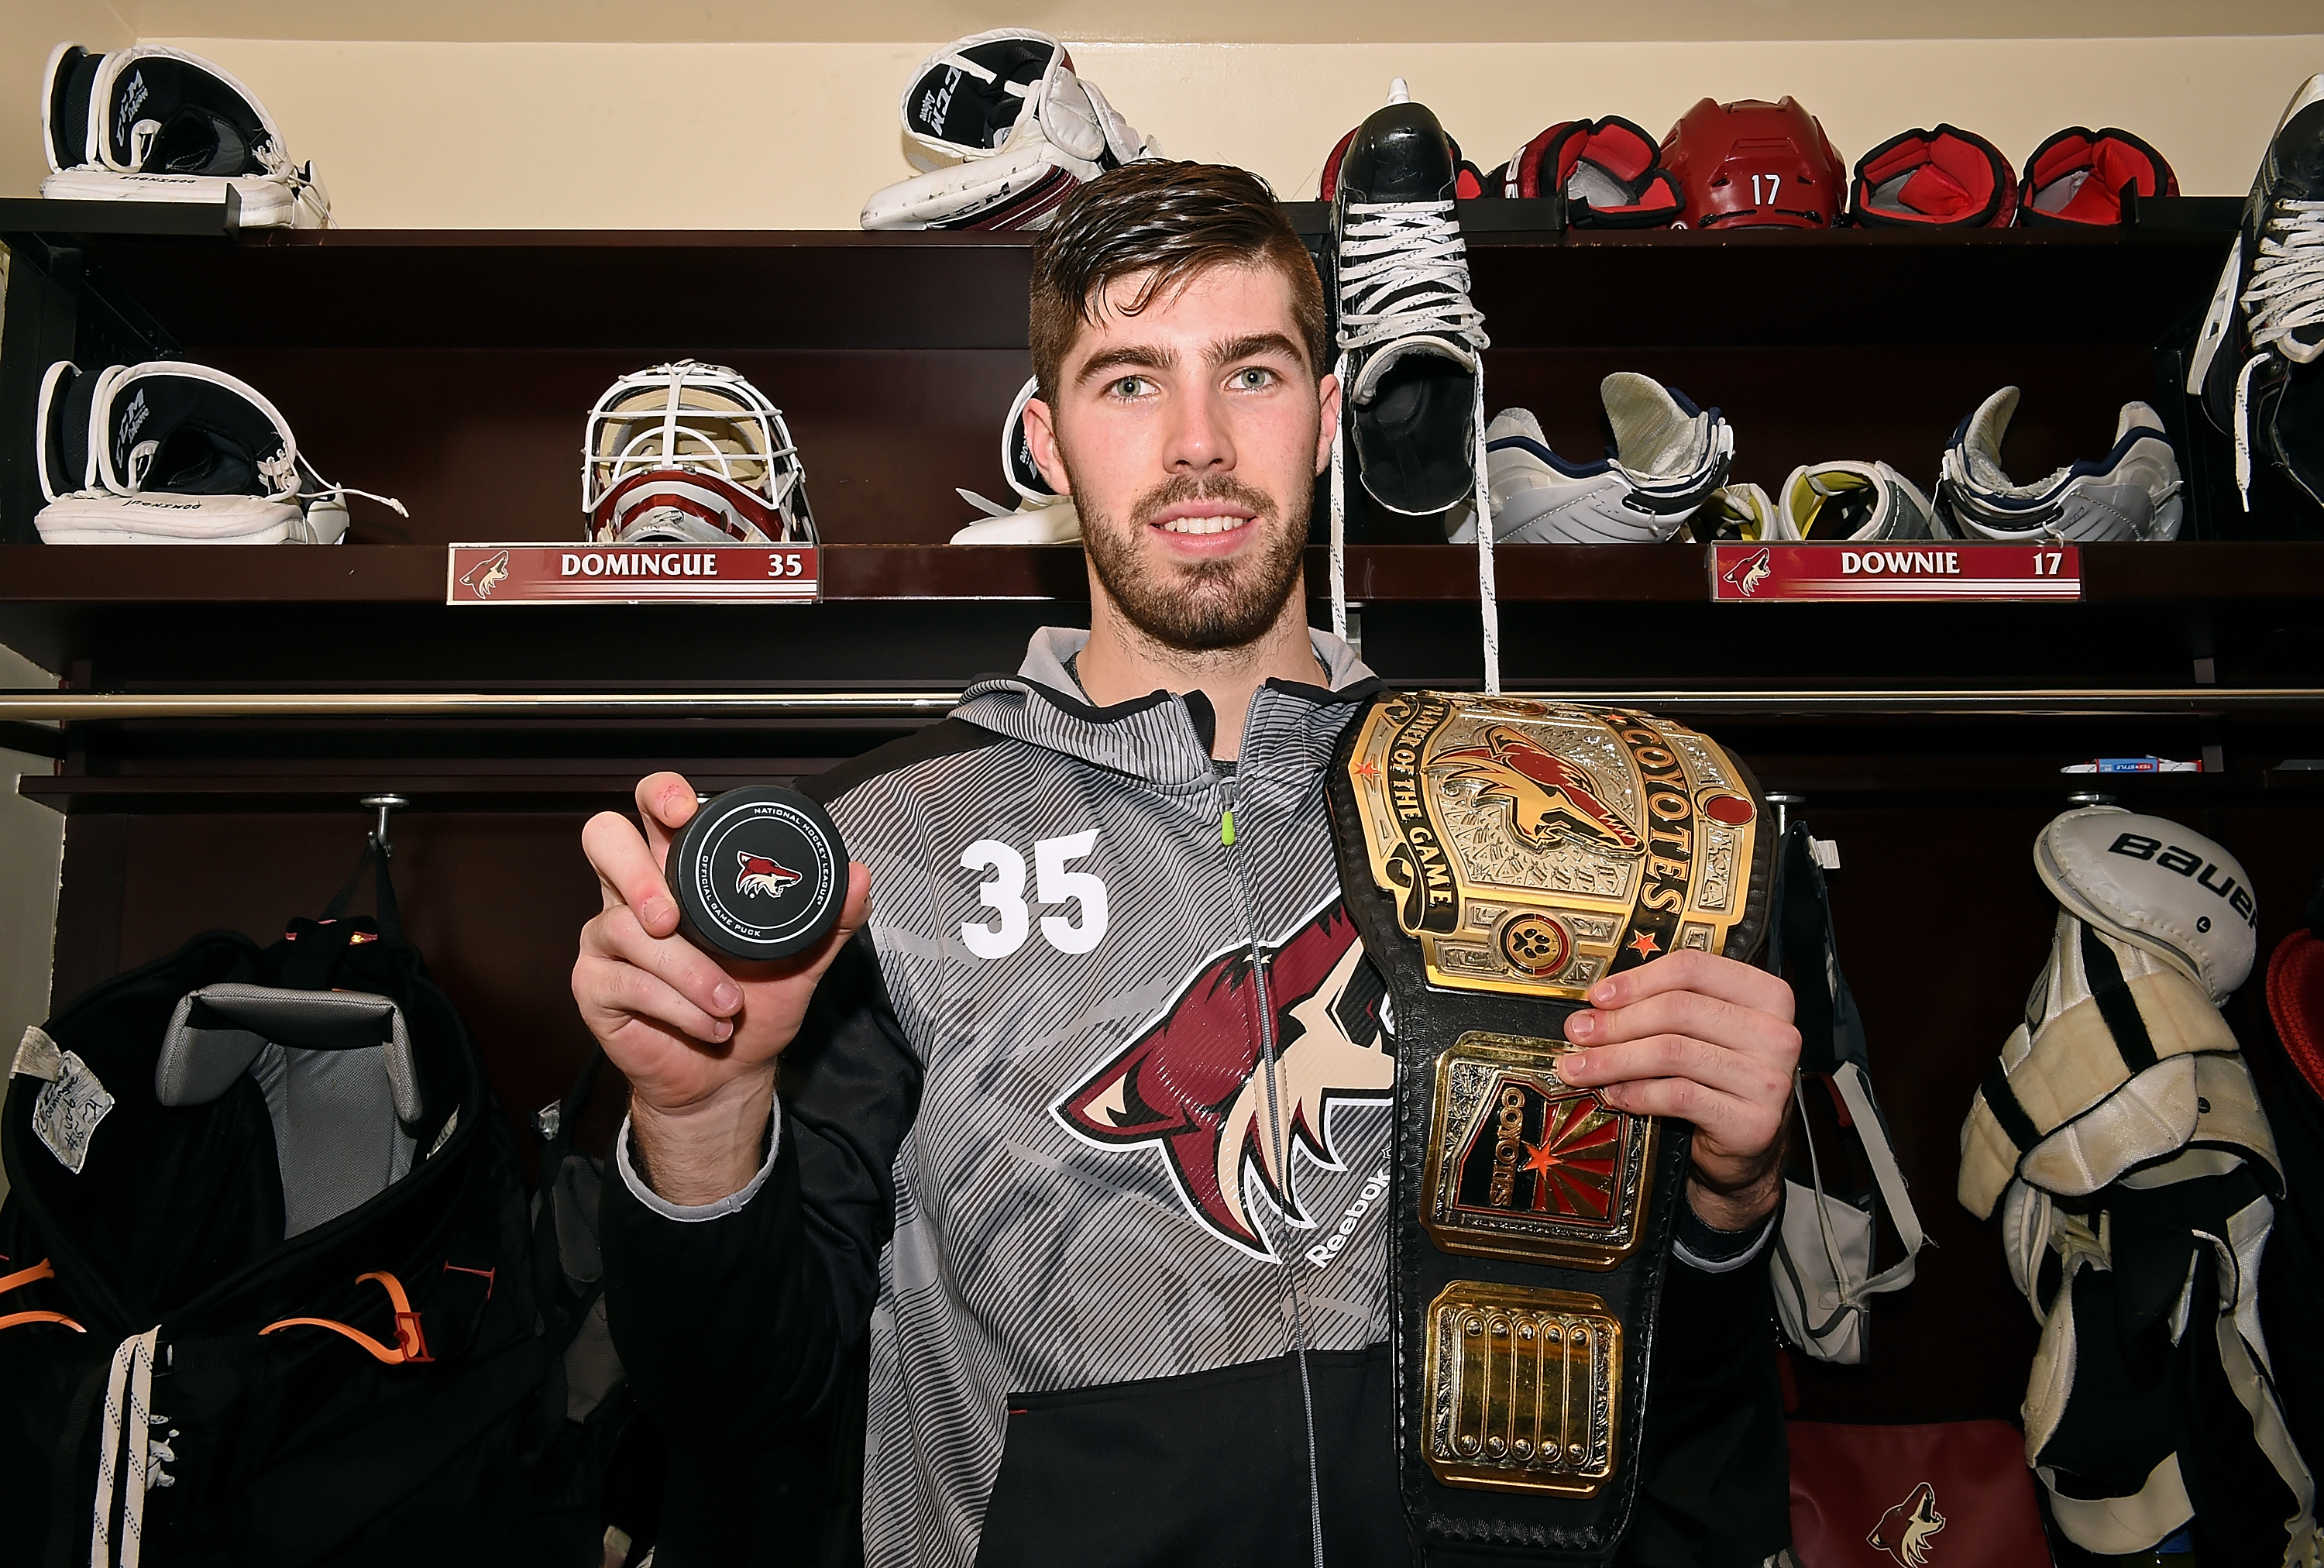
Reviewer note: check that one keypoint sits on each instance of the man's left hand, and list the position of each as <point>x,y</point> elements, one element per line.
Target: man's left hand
<point>1708,1040</point>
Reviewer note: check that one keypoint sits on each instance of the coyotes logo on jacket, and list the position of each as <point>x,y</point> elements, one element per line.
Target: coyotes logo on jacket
<point>1190,1083</point>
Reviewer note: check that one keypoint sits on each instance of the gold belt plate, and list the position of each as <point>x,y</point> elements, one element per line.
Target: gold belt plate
<point>1523,1165</point>
<point>1522,1388</point>
<point>1533,846</point>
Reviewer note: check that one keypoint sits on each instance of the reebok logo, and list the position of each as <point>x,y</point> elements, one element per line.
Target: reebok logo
<point>133,98</point>
<point>1323,1252</point>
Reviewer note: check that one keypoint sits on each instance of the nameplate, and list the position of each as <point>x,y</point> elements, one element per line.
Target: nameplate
<point>539,574</point>
<point>1925,570</point>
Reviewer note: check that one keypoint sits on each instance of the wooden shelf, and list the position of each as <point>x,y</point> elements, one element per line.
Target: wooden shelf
<point>2179,572</point>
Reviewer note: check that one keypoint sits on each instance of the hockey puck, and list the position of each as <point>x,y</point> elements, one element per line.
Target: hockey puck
<point>759,872</point>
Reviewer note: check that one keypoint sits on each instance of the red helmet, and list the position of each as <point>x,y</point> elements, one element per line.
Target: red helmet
<point>1947,177</point>
<point>2079,176</point>
<point>1609,170</point>
<point>1750,164</point>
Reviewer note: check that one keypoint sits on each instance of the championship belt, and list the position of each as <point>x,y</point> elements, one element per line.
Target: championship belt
<point>1500,856</point>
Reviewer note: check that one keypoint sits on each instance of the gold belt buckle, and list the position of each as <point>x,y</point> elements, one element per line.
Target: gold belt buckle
<point>1534,846</point>
<point>1521,1390</point>
<point>1522,1165</point>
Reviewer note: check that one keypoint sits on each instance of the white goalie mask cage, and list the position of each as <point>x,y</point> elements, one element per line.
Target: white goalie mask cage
<point>688,453</point>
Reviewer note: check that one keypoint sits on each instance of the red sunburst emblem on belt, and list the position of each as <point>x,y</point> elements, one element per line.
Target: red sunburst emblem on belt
<point>1573,1163</point>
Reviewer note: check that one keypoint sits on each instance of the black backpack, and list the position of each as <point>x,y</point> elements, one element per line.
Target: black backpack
<point>266,1296</point>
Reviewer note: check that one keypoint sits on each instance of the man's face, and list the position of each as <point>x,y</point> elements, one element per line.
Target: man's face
<point>1190,436</point>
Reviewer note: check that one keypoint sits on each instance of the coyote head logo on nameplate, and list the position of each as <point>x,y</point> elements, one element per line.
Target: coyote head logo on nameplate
<point>1533,847</point>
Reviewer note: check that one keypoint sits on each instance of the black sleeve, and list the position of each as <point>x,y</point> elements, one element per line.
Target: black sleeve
<point>733,1327</point>
<point>1715,1487</point>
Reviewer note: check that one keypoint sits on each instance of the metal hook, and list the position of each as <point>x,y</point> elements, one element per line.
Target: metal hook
<point>384,804</point>
<point>1784,800</point>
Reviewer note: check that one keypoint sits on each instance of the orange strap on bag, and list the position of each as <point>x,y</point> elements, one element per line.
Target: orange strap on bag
<point>43,1269</point>
<point>410,1345</point>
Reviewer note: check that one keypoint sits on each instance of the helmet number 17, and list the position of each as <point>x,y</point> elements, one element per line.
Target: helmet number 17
<point>1774,183</point>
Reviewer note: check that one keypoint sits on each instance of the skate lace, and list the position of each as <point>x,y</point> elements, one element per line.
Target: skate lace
<point>1404,272</point>
<point>2285,295</point>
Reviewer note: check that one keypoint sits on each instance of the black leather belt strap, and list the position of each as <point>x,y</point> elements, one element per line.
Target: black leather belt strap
<point>1499,855</point>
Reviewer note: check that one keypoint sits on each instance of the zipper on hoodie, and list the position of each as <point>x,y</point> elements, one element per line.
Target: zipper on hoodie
<point>1223,786</point>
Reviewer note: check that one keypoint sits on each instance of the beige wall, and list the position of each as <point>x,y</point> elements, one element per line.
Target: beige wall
<point>775,135</point>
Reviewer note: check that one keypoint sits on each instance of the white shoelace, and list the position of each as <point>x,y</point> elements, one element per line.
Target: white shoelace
<point>1404,272</point>
<point>325,490</point>
<point>2285,294</point>
<point>127,1478</point>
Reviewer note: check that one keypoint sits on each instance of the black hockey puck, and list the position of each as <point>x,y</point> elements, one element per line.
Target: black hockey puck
<point>759,872</point>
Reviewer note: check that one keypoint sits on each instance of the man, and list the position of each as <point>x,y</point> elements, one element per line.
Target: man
<point>1115,1312</point>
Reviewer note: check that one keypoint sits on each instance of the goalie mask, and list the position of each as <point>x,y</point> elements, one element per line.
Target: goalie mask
<point>1001,131</point>
<point>1947,177</point>
<point>689,453</point>
<point>2079,176</point>
<point>150,123</point>
<point>172,452</point>
<point>2130,493</point>
<point>1750,164</point>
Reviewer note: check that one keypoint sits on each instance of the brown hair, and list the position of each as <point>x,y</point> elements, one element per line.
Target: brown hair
<point>1171,221</point>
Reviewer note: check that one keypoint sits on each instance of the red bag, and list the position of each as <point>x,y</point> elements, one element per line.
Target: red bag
<point>1949,1493</point>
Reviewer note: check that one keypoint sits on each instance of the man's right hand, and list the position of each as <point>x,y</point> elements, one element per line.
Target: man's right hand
<point>697,1039</point>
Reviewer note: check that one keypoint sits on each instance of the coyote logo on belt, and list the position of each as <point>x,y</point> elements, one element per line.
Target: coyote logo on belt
<point>1191,1082</point>
<point>1550,798</point>
<point>1904,1531</point>
<point>760,875</point>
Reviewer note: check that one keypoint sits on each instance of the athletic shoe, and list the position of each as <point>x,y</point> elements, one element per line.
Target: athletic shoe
<point>1410,341</point>
<point>1001,130</point>
<point>2256,363</point>
<point>2130,493</point>
<point>1041,515</point>
<point>2078,177</point>
<point>1611,172</point>
<point>1947,177</point>
<point>1843,502</point>
<point>1667,458</point>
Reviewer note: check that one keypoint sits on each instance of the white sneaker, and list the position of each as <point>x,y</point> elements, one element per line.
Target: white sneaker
<point>2131,493</point>
<point>1669,456</point>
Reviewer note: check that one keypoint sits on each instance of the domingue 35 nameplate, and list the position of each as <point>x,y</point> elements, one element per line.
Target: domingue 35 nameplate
<point>1534,846</point>
<point>601,574</point>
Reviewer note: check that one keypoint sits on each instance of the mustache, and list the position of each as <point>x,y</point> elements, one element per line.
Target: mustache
<point>1182,488</point>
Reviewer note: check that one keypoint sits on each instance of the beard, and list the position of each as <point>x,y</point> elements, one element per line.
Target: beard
<point>1215,605</point>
